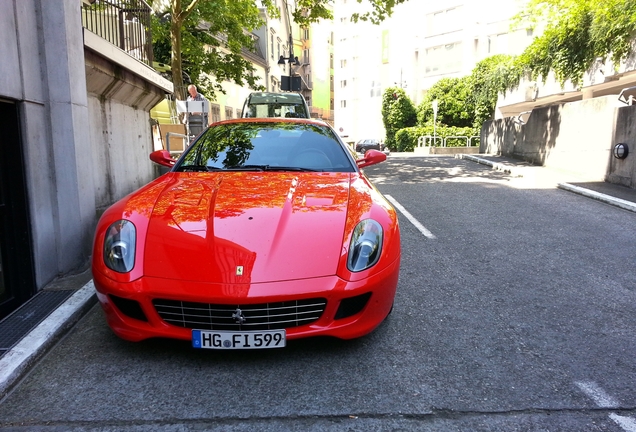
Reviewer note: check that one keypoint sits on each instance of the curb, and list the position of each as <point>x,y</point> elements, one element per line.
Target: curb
<point>607,199</point>
<point>495,165</point>
<point>26,352</point>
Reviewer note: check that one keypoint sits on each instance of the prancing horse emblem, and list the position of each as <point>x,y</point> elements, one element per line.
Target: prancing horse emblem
<point>239,270</point>
<point>238,316</point>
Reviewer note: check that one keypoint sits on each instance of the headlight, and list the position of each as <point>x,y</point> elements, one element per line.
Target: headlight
<point>119,246</point>
<point>366,246</point>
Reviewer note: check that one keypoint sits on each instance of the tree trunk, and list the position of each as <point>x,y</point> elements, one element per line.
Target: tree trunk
<point>176,22</point>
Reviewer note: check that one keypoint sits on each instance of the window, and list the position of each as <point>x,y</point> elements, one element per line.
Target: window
<point>443,59</point>
<point>229,113</point>
<point>444,21</point>
<point>343,63</point>
<point>331,60</point>
<point>343,83</point>
<point>238,113</point>
<point>498,44</point>
<point>376,88</point>
<point>271,42</point>
<point>306,33</point>
<point>216,112</point>
<point>306,56</point>
<point>343,104</point>
<point>278,49</point>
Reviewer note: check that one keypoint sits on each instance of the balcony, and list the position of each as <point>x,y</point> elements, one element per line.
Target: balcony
<point>123,23</point>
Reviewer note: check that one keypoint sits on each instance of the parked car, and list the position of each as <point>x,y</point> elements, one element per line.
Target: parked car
<point>369,144</point>
<point>267,104</point>
<point>263,231</point>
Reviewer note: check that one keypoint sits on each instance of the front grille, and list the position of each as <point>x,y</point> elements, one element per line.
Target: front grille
<point>265,316</point>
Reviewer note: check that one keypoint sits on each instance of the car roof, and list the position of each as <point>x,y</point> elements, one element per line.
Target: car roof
<point>317,122</point>
<point>267,97</point>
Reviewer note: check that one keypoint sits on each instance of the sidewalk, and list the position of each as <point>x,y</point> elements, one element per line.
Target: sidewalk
<point>47,316</point>
<point>609,193</point>
<point>32,329</point>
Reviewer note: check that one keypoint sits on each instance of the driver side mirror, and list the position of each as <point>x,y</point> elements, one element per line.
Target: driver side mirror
<point>371,157</point>
<point>162,157</point>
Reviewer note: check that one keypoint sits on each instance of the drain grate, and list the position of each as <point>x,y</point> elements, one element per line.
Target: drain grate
<point>24,319</point>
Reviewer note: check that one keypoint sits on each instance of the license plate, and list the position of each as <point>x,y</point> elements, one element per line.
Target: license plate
<point>211,339</point>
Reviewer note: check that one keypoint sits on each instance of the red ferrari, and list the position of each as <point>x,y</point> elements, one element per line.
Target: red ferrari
<point>263,231</point>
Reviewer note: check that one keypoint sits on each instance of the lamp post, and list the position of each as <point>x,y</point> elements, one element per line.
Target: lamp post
<point>435,106</point>
<point>287,82</point>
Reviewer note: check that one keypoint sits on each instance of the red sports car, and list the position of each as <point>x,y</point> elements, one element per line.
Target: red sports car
<point>264,230</point>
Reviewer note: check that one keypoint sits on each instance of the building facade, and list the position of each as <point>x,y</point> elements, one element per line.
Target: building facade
<point>76,134</point>
<point>420,44</point>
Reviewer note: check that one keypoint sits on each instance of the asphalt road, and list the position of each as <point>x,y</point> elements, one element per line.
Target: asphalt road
<point>517,313</point>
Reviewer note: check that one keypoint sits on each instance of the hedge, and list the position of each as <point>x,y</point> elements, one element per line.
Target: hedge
<point>406,139</point>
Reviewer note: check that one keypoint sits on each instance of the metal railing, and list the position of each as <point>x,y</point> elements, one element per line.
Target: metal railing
<point>431,141</point>
<point>124,23</point>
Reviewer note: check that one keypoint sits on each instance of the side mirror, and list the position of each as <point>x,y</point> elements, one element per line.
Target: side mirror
<point>371,157</point>
<point>162,157</point>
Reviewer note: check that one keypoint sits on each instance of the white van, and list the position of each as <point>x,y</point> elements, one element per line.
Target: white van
<point>264,104</point>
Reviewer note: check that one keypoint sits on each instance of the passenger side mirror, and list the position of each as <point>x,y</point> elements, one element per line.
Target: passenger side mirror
<point>371,157</point>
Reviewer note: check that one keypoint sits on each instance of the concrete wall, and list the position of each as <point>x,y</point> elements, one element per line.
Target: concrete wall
<point>119,104</point>
<point>623,171</point>
<point>84,124</point>
<point>42,71</point>
<point>576,137</point>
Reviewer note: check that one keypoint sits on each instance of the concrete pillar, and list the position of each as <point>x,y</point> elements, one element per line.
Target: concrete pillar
<point>64,81</point>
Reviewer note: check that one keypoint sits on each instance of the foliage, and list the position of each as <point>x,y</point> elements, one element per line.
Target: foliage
<point>204,38</point>
<point>407,139</point>
<point>398,112</point>
<point>577,33</point>
<point>454,105</point>
<point>490,77</point>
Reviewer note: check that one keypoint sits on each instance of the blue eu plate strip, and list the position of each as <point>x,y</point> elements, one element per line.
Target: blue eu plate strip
<point>196,338</point>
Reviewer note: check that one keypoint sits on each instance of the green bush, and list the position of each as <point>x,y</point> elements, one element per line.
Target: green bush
<point>406,139</point>
<point>398,112</point>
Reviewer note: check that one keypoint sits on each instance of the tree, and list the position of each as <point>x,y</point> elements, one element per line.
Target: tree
<point>490,77</point>
<point>207,36</point>
<point>454,105</point>
<point>577,33</point>
<point>398,112</point>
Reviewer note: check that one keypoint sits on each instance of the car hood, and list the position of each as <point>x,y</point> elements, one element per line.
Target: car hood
<point>247,227</point>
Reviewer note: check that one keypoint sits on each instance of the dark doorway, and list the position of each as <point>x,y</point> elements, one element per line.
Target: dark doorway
<point>17,283</point>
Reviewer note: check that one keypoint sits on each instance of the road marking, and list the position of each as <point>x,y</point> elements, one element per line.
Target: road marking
<point>597,394</point>
<point>604,400</point>
<point>627,423</point>
<point>410,217</point>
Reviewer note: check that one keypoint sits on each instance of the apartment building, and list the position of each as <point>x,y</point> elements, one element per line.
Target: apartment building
<point>421,43</point>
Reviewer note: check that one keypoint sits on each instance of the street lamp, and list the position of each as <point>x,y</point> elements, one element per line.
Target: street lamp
<point>290,59</point>
<point>290,83</point>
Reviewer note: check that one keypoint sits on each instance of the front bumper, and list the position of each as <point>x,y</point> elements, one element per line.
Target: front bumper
<point>143,291</point>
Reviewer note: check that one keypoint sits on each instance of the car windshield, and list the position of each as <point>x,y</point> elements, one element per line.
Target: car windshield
<point>244,146</point>
<point>263,105</point>
<point>276,110</point>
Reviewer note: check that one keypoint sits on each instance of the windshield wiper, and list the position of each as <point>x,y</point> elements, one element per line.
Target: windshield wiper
<point>269,168</point>
<point>203,168</point>
<point>291,168</point>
